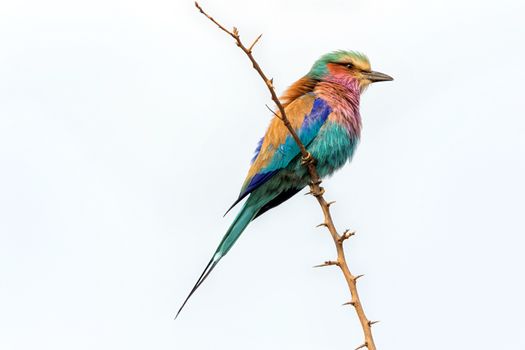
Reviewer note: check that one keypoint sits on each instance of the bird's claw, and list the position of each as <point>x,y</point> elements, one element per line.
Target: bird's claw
<point>320,193</point>
<point>309,159</point>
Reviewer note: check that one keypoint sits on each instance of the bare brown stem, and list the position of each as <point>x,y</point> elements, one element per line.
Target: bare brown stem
<point>315,188</point>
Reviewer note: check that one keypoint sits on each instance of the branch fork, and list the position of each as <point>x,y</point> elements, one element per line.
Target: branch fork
<point>347,234</point>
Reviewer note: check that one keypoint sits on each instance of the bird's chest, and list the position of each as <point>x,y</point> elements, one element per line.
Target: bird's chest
<point>334,146</point>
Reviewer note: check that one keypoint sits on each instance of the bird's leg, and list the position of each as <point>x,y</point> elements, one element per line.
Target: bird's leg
<point>315,189</point>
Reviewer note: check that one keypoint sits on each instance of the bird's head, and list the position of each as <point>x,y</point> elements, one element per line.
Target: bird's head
<point>346,66</point>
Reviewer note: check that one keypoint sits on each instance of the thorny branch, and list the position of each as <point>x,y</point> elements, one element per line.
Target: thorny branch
<point>315,189</point>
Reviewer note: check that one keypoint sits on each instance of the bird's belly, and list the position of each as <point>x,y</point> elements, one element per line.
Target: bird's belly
<point>332,148</point>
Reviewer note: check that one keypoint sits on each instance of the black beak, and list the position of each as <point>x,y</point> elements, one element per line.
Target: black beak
<point>377,76</point>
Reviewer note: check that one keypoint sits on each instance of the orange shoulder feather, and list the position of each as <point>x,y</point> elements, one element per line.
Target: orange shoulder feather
<point>297,89</point>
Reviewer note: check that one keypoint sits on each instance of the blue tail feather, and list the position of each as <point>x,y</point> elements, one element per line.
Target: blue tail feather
<point>245,216</point>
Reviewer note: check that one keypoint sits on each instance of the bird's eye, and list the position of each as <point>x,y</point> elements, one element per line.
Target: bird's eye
<point>349,65</point>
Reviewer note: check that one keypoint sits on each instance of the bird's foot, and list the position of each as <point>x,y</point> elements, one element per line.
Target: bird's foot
<point>319,193</point>
<point>309,159</point>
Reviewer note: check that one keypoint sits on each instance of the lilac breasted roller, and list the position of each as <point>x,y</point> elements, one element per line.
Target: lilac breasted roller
<point>323,108</point>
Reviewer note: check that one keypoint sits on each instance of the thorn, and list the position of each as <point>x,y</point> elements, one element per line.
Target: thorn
<point>322,224</point>
<point>349,303</point>
<point>254,42</point>
<point>307,193</point>
<point>364,345</point>
<point>372,322</point>
<point>357,277</point>
<point>330,203</point>
<point>273,112</point>
<point>328,263</point>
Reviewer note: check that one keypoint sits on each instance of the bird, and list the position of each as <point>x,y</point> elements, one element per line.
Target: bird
<point>323,109</point>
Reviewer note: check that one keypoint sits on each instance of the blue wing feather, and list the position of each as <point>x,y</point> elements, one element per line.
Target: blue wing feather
<point>257,149</point>
<point>307,132</point>
<point>289,149</point>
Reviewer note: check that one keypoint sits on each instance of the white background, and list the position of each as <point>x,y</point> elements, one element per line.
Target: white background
<point>126,129</point>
